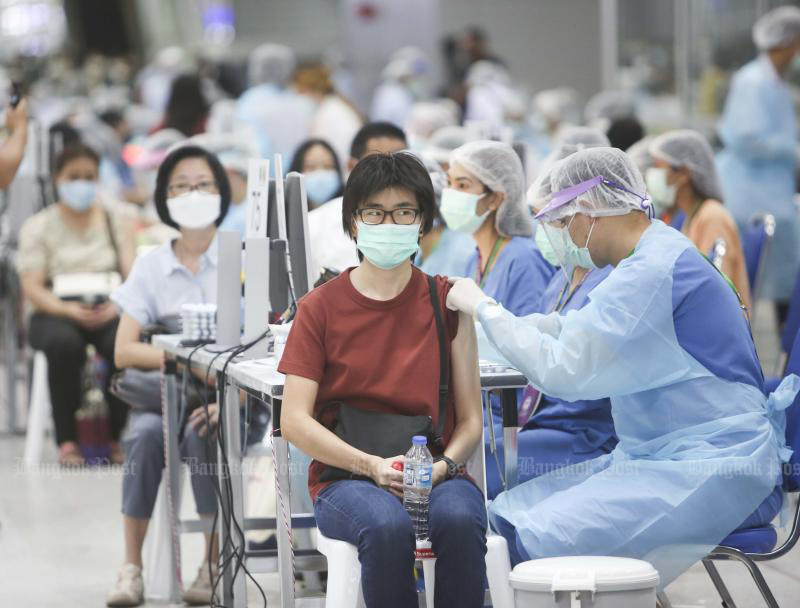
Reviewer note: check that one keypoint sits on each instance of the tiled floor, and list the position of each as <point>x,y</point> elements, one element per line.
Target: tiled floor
<point>61,537</point>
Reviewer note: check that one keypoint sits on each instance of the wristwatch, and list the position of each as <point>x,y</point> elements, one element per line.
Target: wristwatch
<point>452,467</point>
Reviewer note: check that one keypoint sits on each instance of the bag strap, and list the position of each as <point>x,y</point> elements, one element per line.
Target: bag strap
<point>443,369</point>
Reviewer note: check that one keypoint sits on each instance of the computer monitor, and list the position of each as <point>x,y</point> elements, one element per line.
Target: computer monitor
<point>297,233</point>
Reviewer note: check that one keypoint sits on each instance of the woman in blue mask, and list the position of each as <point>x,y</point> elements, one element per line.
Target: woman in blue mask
<point>76,235</point>
<point>485,199</point>
<point>317,161</point>
<point>377,338</point>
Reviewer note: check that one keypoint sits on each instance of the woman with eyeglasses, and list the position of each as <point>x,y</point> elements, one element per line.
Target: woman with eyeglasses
<point>192,194</point>
<point>369,341</point>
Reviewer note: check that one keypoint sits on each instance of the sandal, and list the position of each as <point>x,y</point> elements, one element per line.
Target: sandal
<point>69,454</point>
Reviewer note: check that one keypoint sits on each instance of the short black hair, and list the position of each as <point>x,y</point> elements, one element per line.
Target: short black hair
<point>378,172</point>
<point>373,130</point>
<point>624,132</point>
<point>168,166</point>
<point>113,118</point>
<point>72,152</point>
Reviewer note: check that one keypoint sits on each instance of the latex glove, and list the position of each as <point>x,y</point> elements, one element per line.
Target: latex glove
<point>465,295</point>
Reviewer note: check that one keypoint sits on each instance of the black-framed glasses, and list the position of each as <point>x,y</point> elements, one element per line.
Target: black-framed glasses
<point>208,186</point>
<point>404,216</point>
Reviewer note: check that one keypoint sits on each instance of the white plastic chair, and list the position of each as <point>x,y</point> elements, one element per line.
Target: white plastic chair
<point>39,420</point>
<point>344,568</point>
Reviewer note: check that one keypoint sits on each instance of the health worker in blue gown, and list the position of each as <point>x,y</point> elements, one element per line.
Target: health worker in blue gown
<point>486,199</point>
<point>664,336</point>
<point>758,165</point>
<point>555,432</point>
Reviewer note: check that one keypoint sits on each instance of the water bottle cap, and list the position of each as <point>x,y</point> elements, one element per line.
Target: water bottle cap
<point>419,440</point>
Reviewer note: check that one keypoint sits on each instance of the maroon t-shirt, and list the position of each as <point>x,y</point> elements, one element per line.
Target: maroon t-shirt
<point>379,356</point>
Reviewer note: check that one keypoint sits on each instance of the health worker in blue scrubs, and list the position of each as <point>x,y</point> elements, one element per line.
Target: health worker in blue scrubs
<point>665,337</point>
<point>486,199</point>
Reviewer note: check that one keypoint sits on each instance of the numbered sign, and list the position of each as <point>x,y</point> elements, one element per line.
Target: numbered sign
<point>257,197</point>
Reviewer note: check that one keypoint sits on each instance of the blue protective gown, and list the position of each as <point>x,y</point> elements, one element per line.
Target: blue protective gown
<point>757,166</point>
<point>519,276</point>
<point>700,445</point>
<point>560,432</point>
<point>450,256</point>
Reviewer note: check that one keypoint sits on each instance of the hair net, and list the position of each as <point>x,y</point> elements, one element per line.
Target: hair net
<point>627,193</point>
<point>499,168</point>
<point>271,64</point>
<point>444,141</point>
<point>609,106</point>
<point>541,189</point>
<point>686,148</point>
<point>486,72</point>
<point>234,150</point>
<point>557,105</point>
<point>438,176</point>
<point>640,153</point>
<point>778,28</point>
<point>572,139</point>
<point>406,62</point>
<point>427,117</point>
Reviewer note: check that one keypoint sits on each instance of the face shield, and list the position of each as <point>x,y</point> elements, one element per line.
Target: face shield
<point>556,217</point>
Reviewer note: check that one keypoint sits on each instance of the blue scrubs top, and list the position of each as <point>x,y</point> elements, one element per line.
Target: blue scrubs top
<point>449,257</point>
<point>519,276</point>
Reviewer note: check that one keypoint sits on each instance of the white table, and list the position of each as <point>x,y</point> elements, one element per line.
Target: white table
<point>260,379</point>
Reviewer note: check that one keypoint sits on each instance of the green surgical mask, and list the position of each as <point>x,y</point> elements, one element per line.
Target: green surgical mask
<point>458,210</point>
<point>387,245</point>
<point>663,193</point>
<point>578,256</point>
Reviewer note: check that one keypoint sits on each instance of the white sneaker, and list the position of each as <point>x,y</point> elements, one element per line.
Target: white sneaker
<point>129,590</point>
<point>199,593</point>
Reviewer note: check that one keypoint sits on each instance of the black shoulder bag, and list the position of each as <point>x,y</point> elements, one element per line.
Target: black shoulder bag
<point>388,435</point>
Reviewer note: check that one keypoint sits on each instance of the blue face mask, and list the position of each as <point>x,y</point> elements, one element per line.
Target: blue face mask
<point>387,245</point>
<point>322,185</point>
<point>78,194</point>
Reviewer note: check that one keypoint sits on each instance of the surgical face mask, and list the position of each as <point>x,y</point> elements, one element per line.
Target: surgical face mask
<point>663,193</point>
<point>194,209</point>
<point>546,247</point>
<point>78,194</point>
<point>322,185</point>
<point>458,210</point>
<point>578,256</point>
<point>387,245</point>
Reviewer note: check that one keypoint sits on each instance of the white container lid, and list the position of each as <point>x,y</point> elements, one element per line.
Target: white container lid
<point>584,573</point>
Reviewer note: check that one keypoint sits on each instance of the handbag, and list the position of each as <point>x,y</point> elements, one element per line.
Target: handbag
<point>387,435</point>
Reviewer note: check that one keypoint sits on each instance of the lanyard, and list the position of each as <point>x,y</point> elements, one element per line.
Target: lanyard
<point>559,305</point>
<point>481,276</point>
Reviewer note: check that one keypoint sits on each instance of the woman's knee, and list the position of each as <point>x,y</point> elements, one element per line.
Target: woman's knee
<point>144,438</point>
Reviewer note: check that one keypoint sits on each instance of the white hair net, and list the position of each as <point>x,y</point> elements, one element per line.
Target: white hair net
<point>271,64</point>
<point>572,139</point>
<point>557,105</point>
<point>407,62</point>
<point>444,141</point>
<point>609,106</point>
<point>640,153</point>
<point>687,148</point>
<point>541,189</point>
<point>778,28</point>
<point>621,192</point>
<point>427,117</point>
<point>499,168</point>
<point>486,72</point>
<point>438,176</point>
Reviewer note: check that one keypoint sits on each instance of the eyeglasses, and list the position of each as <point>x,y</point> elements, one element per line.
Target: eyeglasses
<point>403,216</point>
<point>180,188</point>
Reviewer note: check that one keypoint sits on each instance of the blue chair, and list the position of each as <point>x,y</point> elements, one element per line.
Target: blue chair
<point>753,545</point>
<point>756,240</point>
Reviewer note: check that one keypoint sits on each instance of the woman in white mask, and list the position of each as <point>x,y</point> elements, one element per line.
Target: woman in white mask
<point>485,199</point>
<point>192,194</point>
<point>76,235</point>
<point>684,178</point>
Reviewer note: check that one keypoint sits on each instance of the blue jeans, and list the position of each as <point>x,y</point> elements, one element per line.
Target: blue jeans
<point>372,519</point>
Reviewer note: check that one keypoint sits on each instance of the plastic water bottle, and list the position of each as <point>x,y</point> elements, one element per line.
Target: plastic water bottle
<point>417,484</point>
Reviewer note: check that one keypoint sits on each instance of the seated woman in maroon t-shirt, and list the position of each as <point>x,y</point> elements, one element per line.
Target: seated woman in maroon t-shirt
<point>368,338</point>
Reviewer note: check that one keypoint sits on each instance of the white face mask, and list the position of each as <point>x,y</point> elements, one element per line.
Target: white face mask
<point>459,210</point>
<point>194,209</point>
<point>663,193</point>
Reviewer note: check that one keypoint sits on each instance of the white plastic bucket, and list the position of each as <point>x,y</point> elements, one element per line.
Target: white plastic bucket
<point>584,582</point>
